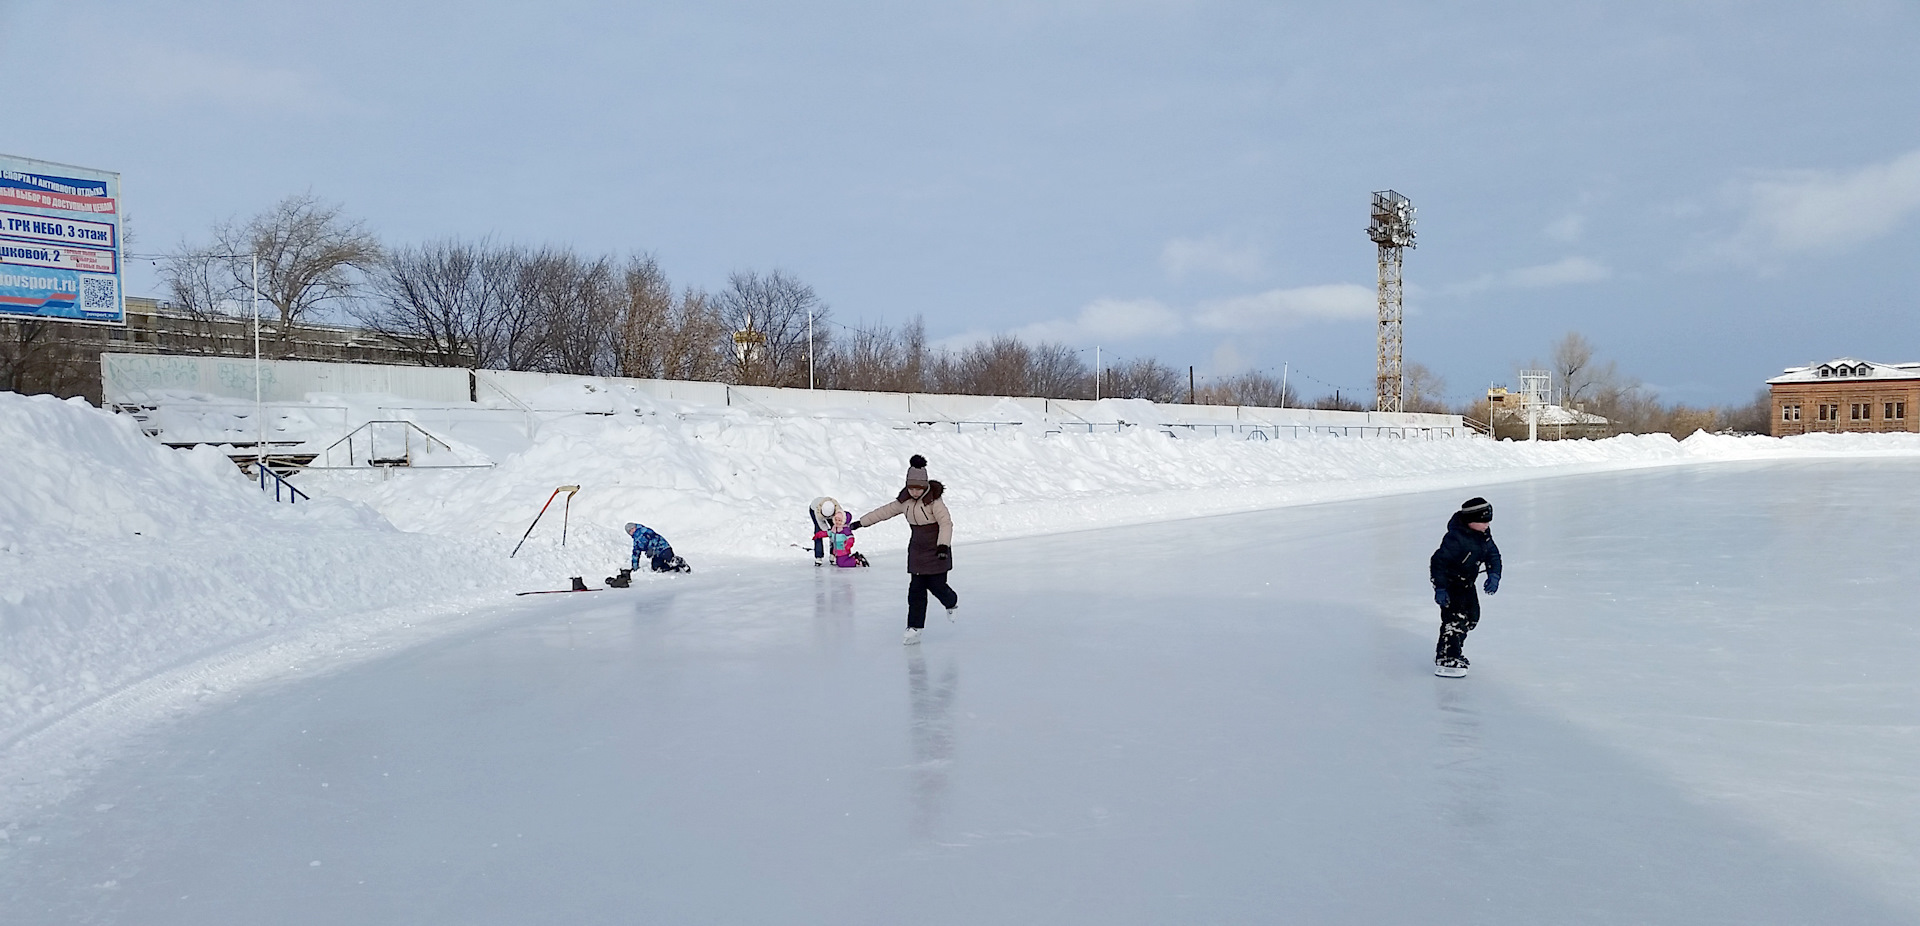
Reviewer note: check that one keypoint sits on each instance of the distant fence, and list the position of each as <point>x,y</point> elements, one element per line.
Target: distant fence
<point>141,379</point>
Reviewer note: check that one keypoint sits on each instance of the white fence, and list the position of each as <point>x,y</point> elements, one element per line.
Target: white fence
<point>554,392</point>
<point>127,379</point>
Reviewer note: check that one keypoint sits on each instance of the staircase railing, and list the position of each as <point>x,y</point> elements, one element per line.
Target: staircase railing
<point>282,489</point>
<point>368,436</point>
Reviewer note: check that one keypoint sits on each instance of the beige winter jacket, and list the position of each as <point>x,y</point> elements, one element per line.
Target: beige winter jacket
<point>932,528</point>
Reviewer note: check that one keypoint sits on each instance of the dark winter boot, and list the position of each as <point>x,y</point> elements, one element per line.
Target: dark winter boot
<point>1452,637</point>
<point>579,585</point>
<point>623,580</point>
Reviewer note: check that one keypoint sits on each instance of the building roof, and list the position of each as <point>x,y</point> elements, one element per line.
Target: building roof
<point>1552,415</point>
<point>1847,368</point>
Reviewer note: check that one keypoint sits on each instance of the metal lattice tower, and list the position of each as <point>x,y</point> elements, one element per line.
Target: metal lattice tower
<point>1392,230</point>
<point>1537,386</point>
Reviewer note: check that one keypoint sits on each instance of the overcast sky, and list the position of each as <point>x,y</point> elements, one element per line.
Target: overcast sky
<point>1708,191</point>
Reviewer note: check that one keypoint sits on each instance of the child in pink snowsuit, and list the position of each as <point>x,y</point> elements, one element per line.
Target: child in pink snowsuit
<point>840,542</point>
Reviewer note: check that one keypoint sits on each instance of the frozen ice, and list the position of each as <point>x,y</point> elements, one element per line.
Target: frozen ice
<point>1692,702</point>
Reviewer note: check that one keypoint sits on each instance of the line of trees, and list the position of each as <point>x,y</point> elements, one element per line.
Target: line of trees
<point>497,305</point>
<point>1581,381</point>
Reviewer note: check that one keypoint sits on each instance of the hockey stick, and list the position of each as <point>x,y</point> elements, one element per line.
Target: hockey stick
<point>543,513</point>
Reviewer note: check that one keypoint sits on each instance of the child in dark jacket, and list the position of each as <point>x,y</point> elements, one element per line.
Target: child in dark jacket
<point>929,552</point>
<point>1464,552</point>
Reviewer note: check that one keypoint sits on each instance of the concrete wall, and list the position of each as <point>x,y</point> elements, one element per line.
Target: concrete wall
<point>136,378</point>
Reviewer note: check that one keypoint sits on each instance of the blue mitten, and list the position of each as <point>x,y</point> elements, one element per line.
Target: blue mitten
<point>1492,584</point>
<point>1440,597</point>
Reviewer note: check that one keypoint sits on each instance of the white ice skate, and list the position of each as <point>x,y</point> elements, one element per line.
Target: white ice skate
<point>911,637</point>
<point>951,616</point>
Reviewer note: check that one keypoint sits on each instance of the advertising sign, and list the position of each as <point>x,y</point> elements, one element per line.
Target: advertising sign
<point>59,242</point>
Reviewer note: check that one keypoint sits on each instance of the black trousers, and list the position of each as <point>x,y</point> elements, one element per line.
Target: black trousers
<point>917,597</point>
<point>1461,615</point>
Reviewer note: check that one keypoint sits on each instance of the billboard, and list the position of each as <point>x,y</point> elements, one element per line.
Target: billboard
<point>59,242</point>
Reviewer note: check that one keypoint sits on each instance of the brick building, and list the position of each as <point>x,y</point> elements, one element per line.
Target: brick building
<point>1846,395</point>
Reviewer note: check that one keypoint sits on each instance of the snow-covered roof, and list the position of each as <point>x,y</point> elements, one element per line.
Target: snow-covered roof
<point>1553,415</point>
<point>1847,368</point>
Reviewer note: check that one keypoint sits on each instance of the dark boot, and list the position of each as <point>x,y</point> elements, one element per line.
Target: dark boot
<point>578,584</point>
<point>623,580</point>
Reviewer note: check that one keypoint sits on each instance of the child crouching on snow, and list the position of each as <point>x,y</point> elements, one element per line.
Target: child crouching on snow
<point>658,552</point>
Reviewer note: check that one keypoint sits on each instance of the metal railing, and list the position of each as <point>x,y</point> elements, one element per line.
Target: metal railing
<point>282,489</point>
<point>395,437</point>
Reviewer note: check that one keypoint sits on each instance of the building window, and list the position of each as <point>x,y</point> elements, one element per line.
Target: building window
<point>1853,412</point>
<point>1896,411</point>
<point>1829,412</point>
<point>1790,413</point>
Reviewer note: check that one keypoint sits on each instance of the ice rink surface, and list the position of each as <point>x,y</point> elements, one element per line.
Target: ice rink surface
<point>1693,701</point>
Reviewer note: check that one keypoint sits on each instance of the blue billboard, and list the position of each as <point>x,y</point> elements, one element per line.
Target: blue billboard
<point>59,242</point>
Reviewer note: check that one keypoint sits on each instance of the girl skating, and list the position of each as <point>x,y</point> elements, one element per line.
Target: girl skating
<point>930,552</point>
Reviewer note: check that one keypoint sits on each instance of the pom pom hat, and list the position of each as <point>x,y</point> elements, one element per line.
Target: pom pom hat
<point>917,471</point>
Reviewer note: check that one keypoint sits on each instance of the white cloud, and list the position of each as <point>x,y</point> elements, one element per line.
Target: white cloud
<point>1114,321</point>
<point>1108,320</point>
<point>1279,307</point>
<point>1567,228</point>
<point>174,75</point>
<point>1824,211</point>
<point>1567,271</point>
<point>1182,257</point>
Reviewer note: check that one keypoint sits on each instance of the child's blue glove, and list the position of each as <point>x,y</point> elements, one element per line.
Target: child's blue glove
<point>1440,597</point>
<point>1492,584</point>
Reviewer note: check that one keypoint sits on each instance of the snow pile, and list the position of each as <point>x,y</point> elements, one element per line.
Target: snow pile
<point>738,486</point>
<point>120,557</point>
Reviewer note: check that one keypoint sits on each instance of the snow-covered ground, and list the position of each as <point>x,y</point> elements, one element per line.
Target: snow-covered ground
<point>138,583</point>
<point>1692,702</point>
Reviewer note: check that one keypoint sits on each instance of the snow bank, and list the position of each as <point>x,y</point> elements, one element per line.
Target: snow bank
<point>120,557</point>
<point>121,560</point>
<point>739,486</point>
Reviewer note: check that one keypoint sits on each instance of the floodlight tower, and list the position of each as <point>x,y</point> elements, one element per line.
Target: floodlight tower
<point>1392,230</point>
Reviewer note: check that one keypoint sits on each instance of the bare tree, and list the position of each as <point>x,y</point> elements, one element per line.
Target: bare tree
<point>1058,372</point>
<point>311,257</point>
<point>1338,403</point>
<point>664,336</point>
<point>1425,390</point>
<point>880,358</point>
<point>1006,365</point>
<point>1252,388</point>
<point>1577,376</point>
<point>201,290</point>
<point>1143,378</point>
<point>443,301</point>
<point>576,301</point>
<point>1755,417</point>
<point>777,307</point>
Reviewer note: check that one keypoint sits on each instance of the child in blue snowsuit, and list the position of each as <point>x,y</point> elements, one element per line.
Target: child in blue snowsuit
<point>1467,549</point>
<point>656,549</point>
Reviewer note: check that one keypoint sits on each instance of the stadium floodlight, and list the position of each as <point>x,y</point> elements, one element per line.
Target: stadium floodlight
<point>1392,230</point>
